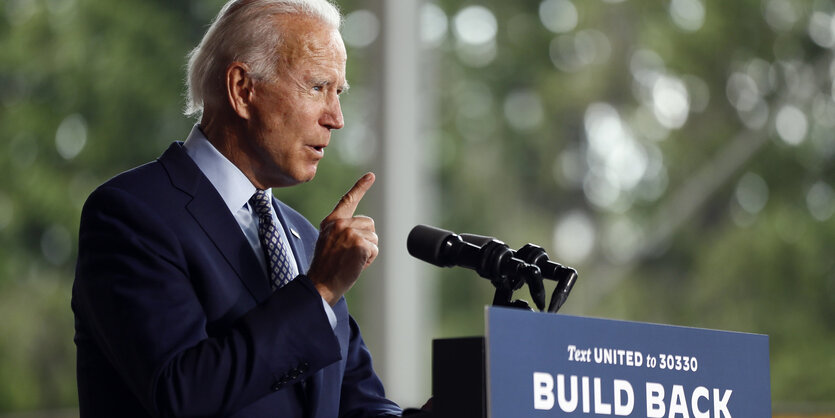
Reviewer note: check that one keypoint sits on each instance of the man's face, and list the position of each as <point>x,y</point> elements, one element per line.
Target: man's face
<point>292,116</point>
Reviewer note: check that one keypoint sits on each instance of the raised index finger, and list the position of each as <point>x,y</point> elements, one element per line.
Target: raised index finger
<point>348,204</point>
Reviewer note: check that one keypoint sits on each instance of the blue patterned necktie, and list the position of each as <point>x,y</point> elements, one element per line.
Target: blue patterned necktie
<point>278,265</point>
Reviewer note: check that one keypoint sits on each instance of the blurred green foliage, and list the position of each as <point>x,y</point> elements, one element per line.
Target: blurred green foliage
<point>715,211</point>
<point>679,154</point>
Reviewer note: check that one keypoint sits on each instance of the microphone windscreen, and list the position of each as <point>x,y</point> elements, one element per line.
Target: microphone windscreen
<point>426,242</point>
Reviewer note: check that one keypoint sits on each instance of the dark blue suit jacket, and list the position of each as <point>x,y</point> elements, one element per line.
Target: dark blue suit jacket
<point>174,315</point>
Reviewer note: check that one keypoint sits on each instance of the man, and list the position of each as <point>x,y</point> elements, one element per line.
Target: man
<point>199,294</point>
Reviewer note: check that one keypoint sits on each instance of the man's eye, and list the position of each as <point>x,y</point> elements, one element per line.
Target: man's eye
<point>318,87</point>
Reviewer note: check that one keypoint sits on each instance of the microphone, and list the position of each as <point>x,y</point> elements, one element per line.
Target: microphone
<point>442,248</point>
<point>492,260</point>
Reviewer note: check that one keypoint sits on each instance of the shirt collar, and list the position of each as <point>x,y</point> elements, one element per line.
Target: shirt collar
<point>230,182</point>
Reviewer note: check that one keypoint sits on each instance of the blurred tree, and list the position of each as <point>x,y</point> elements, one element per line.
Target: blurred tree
<point>89,88</point>
<point>679,154</point>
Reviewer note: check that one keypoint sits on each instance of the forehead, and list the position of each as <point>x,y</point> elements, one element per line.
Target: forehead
<point>310,39</point>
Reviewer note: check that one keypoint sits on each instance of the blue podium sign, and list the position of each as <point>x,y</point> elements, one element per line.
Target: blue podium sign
<point>546,365</point>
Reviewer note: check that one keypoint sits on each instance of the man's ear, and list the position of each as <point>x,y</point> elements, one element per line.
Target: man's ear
<point>239,89</point>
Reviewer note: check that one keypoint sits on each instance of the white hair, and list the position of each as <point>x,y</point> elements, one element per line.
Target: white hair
<point>244,31</point>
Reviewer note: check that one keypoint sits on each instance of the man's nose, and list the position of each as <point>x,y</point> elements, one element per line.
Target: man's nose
<point>332,117</point>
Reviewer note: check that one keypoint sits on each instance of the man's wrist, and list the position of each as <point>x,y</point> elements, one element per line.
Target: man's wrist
<point>326,293</point>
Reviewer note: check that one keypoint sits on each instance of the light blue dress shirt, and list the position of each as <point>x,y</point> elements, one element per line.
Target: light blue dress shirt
<point>235,189</point>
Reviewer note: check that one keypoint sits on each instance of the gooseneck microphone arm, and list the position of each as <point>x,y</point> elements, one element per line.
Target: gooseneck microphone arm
<point>536,255</point>
<point>564,276</point>
<point>492,259</point>
<point>504,291</point>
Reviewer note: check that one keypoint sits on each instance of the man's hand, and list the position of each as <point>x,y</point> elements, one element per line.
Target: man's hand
<point>347,245</point>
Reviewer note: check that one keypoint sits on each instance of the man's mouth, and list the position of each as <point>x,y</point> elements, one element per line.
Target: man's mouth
<point>318,149</point>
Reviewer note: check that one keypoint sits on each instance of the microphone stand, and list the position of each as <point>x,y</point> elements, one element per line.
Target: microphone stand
<point>531,265</point>
<point>495,262</point>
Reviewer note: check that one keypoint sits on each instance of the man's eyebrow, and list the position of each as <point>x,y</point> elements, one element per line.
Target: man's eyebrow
<point>343,87</point>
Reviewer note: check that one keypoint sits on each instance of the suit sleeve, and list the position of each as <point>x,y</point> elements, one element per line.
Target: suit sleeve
<point>362,392</point>
<point>135,298</point>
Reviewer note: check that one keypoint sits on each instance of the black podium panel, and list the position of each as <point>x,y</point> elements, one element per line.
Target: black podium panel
<point>458,378</point>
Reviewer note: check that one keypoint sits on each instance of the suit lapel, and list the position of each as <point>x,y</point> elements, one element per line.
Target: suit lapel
<point>291,231</point>
<point>209,210</point>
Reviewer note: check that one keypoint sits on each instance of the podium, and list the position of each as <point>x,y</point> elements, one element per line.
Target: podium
<point>544,365</point>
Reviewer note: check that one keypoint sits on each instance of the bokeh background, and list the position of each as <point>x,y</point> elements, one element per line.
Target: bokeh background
<point>677,153</point>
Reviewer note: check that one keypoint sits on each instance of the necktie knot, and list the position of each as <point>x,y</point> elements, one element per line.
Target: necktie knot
<point>260,202</point>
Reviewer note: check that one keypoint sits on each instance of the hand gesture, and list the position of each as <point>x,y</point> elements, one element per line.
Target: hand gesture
<point>347,244</point>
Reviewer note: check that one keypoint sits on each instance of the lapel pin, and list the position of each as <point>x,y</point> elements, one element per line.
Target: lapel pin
<point>295,234</point>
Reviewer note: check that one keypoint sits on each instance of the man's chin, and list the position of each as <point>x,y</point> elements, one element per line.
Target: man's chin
<point>294,179</point>
<point>310,174</point>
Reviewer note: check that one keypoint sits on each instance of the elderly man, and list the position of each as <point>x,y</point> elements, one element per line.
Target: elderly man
<point>197,293</point>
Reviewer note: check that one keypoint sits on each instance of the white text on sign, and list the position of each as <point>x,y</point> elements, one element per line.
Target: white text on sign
<point>586,392</point>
